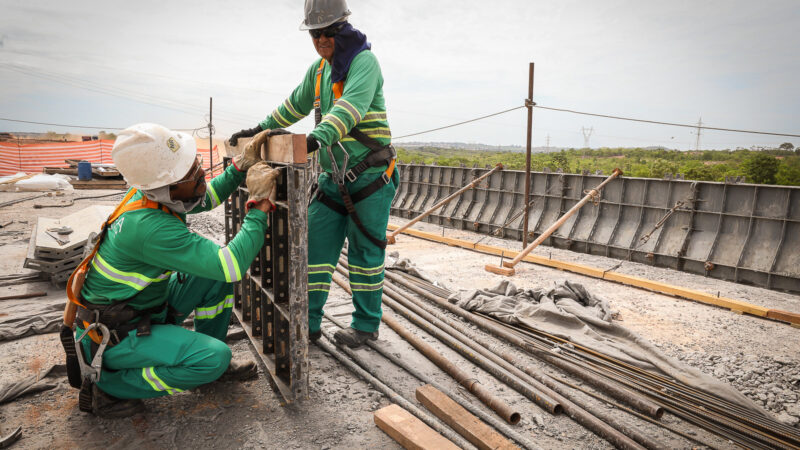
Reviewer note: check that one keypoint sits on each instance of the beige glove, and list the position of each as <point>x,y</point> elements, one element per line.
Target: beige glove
<point>251,153</point>
<point>261,184</point>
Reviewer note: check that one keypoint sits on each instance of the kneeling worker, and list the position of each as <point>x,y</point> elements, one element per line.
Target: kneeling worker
<point>149,272</point>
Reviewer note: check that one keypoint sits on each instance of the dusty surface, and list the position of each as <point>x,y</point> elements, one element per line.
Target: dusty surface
<point>758,356</point>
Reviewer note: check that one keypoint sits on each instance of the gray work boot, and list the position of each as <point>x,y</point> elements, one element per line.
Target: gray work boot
<point>240,370</point>
<point>110,407</point>
<point>354,338</point>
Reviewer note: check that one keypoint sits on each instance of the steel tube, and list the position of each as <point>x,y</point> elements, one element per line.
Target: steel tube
<point>552,228</point>
<point>529,103</point>
<point>638,402</point>
<point>389,392</point>
<point>499,425</point>
<point>463,378</point>
<point>390,236</point>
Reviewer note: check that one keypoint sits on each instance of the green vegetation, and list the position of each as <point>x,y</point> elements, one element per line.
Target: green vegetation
<point>768,166</point>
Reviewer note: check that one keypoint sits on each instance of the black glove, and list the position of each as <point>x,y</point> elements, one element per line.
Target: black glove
<point>278,132</point>
<point>243,134</point>
<point>312,144</point>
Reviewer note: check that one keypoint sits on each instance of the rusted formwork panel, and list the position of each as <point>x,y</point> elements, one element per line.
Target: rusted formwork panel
<point>738,232</point>
<point>271,302</point>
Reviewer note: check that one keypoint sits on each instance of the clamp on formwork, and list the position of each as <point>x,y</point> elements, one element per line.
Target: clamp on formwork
<point>271,301</point>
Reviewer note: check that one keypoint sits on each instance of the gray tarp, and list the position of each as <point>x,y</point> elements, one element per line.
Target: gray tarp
<point>570,312</point>
<point>24,318</point>
<point>43,381</point>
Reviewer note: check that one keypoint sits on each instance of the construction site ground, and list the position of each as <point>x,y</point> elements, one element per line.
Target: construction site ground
<point>758,356</point>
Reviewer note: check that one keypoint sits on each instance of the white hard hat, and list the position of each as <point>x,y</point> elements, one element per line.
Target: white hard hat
<point>321,13</point>
<point>150,156</point>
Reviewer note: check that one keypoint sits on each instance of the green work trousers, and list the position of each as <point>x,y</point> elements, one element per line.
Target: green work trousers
<point>327,230</point>
<point>173,359</point>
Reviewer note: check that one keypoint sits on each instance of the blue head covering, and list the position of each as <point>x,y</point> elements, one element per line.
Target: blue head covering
<point>349,42</point>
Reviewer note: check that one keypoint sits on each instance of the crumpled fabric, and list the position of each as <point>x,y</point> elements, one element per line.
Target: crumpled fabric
<point>395,262</point>
<point>349,42</point>
<point>571,312</point>
<point>43,381</point>
<point>26,318</point>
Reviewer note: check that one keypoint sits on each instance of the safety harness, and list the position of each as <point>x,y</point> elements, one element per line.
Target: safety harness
<point>379,156</point>
<point>105,325</point>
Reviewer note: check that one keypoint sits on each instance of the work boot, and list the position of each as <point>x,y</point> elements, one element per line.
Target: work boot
<point>240,370</point>
<point>314,336</point>
<point>354,338</point>
<point>110,407</point>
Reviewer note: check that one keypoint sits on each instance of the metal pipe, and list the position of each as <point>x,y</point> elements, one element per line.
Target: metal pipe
<point>552,228</point>
<point>390,237</point>
<point>612,429</point>
<point>499,425</point>
<point>497,405</point>
<point>629,397</point>
<point>389,392</point>
<point>529,103</point>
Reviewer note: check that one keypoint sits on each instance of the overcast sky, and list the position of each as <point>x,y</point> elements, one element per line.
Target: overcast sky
<point>115,63</point>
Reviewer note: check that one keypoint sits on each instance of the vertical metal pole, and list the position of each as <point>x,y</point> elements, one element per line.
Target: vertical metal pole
<point>210,142</point>
<point>529,103</point>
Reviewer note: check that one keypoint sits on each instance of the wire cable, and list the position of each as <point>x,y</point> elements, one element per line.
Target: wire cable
<point>608,116</point>
<point>86,126</point>
<point>462,123</point>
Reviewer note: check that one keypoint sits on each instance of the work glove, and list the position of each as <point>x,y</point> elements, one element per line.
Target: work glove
<point>261,184</point>
<point>312,144</point>
<point>248,132</point>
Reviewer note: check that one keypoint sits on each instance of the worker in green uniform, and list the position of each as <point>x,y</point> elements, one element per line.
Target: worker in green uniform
<point>344,88</point>
<point>150,272</point>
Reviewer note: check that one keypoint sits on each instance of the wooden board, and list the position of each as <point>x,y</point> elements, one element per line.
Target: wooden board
<point>409,431</point>
<point>630,280</point>
<point>461,420</point>
<point>285,148</point>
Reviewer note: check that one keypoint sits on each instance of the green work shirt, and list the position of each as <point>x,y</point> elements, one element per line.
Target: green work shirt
<point>361,105</point>
<point>143,247</point>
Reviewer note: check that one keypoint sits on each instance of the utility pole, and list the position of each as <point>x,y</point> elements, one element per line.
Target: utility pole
<point>699,129</point>
<point>587,133</point>
<point>529,103</point>
<point>210,142</point>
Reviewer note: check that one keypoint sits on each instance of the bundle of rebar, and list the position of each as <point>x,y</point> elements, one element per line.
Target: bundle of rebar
<point>639,389</point>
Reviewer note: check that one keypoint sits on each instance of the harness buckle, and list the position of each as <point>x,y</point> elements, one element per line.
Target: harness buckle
<point>385,178</point>
<point>91,372</point>
<point>351,176</point>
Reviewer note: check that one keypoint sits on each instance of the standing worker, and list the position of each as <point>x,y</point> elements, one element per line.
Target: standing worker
<point>148,272</point>
<point>344,88</point>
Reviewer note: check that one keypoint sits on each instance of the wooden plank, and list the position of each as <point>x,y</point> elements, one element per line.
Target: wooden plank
<point>19,178</point>
<point>459,419</point>
<point>284,148</point>
<point>650,285</point>
<point>409,431</point>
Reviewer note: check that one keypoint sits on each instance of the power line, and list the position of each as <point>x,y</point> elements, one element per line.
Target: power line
<point>84,126</point>
<point>665,123</point>
<point>462,123</point>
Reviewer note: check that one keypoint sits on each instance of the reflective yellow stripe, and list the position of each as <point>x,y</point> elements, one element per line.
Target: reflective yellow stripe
<point>213,311</point>
<point>133,280</point>
<point>323,268</point>
<point>350,109</point>
<point>373,116</point>
<point>319,287</point>
<point>289,107</point>
<point>213,196</point>
<point>280,119</point>
<point>149,374</point>
<point>230,266</point>
<point>336,123</point>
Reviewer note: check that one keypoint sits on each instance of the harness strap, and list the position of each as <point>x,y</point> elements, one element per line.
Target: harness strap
<point>76,279</point>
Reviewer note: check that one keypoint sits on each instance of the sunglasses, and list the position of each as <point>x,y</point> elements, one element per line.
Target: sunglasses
<point>194,176</point>
<point>328,32</point>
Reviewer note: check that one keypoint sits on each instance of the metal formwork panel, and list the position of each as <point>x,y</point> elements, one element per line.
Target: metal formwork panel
<point>271,302</point>
<point>738,232</point>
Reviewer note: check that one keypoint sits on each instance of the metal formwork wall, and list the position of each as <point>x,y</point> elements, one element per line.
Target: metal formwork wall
<point>739,232</point>
<point>271,301</point>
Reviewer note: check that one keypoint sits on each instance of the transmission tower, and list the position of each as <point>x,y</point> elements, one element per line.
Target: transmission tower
<point>587,133</point>
<point>547,146</point>
<point>699,129</point>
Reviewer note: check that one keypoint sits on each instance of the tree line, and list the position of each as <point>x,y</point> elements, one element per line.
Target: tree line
<point>779,165</point>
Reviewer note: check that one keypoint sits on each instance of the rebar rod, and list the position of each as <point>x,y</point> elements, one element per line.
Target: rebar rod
<point>499,425</point>
<point>496,404</point>
<point>391,393</point>
<point>626,396</point>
